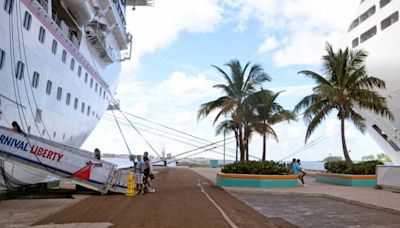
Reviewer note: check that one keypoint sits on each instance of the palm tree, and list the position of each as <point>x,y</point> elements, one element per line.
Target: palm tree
<point>265,113</point>
<point>226,127</point>
<point>345,87</point>
<point>239,84</point>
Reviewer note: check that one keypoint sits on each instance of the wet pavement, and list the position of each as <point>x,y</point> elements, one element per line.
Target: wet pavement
<point>318,211</point>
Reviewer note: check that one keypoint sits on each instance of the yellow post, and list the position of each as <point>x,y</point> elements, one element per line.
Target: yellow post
<point>131,185</point>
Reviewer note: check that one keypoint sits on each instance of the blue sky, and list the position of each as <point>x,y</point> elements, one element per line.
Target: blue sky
<point>170,74</point>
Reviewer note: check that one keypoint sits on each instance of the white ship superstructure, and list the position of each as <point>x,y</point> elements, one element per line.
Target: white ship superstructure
<point>376,29</point>
<point>59,67</point>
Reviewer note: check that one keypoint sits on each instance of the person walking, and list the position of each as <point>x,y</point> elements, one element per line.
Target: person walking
<point>148,172</point>
<point>139,169</point>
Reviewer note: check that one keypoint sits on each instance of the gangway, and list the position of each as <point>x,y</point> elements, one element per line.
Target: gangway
<point>61,161</point>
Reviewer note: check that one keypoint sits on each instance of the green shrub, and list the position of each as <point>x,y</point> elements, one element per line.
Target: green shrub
<point>256,167</point>
<point>361,168</point>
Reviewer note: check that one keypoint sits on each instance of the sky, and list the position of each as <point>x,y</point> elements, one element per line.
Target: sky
<point>170,75</point>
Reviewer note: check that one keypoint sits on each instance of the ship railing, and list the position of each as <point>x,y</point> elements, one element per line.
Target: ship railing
<point>120,18</point>
<point>56,22</point>
<point>98,39</point>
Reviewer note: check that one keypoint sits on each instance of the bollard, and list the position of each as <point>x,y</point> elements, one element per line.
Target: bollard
<point>131,185</point>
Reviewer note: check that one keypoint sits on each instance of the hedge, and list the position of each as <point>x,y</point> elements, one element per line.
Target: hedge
<point>256,167</point>
<point>362,168</point>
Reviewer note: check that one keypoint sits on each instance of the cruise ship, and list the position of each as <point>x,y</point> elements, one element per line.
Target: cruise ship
<point>376,29</point>
<point>60,63</point>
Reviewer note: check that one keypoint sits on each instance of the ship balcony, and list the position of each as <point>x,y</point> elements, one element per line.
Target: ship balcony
<point>82,11</point>
<point>115,17</point>
<point>97,37</point>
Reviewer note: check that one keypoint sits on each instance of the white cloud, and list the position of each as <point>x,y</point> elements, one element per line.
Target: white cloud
<point>301,27</point>
<point>269,44</point>
<point>158,26</point>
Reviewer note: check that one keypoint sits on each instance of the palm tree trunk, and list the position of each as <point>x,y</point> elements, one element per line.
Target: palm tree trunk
<point>241,146</point>
<point>264,146</point>
<point>247,149</point>
<point>237,144</point>
<point>345,152</point>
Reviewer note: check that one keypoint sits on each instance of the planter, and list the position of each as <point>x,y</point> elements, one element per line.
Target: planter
<point>253,180</point>
<point>347,179</point>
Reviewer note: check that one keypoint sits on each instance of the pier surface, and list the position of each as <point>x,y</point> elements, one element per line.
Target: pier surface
<point>321,204</point>
<point>177,202</point>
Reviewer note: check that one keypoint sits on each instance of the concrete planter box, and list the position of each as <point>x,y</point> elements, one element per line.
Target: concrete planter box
<point>347,179</point>
<point>252,180</point>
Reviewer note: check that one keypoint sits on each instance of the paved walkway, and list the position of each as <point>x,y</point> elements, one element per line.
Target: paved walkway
<point>366,196</point>
<point>179,201</point>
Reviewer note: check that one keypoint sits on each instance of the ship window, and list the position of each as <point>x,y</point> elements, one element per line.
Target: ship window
<point>38,116</point>
<point>100,91</point>
<point>54,47</point>
<point>86,77</point>
<point>59,93</point>
<point>354,43</point>
<point>79,71</point>
<point>367,14</point>
<point>2,58</point>
<point>27,20</point>
<point>63,136</point>
<point>72,65</point>
<point>19,73</point>
<point>29,129</point>
<point>64,56</point>
<point>104,95</point>
<point>390,20</point>
<point>43,132</point>
<point>68,100</point>
<point>83,107</point>
<point>354,24</point>
<point>48,87</point>
<point>42,34</point>
<point>91,82</point>
<point>76,103</point>
<point>95,87</point>
<point>368,34</point>
<point>35,79</point>
<point>54,135</point>
<point>8,6</point>
<point>88,110</point>
<point>384,2</point>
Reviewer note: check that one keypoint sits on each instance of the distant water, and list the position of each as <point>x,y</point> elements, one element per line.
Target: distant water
<point>310,165</point>
<point>125,162</point>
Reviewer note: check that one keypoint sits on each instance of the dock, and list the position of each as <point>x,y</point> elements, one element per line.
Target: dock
<point>187,197</point>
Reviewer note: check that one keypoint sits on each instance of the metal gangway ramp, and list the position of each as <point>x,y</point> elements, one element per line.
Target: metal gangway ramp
<point>61,161</point>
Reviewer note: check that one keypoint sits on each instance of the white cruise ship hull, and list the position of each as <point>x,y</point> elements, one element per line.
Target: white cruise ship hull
<point>383,47</point>
<point>70,71</point>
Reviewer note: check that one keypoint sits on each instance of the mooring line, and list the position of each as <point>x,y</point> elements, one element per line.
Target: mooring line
<point>227,219</point>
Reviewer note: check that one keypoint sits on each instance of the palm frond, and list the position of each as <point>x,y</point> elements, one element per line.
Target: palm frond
<point>316,121</point>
